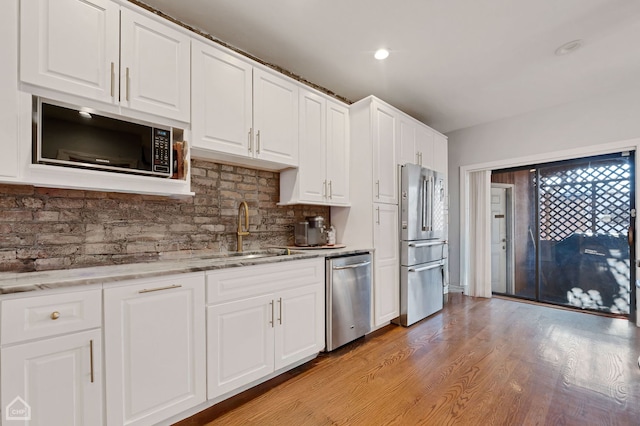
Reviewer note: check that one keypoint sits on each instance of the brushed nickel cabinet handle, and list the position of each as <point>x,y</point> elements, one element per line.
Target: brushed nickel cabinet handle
<point>55,315</point>
<point>324,189</point>
<point>330,189</point>
<point>280,311</point>
<point>378,219</point>
<point>250,140</point>
<point>127,82</point>
<point>272,314</point>
<point>378,189</point>
<point>91,358</point>
<point>169,287</point>
<point>258,142</point>
<point>113,79</point>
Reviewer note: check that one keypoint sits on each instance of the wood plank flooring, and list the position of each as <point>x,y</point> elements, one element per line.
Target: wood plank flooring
<point>478,362</point>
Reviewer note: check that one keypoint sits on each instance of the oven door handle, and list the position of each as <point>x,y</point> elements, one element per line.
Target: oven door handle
<point>352,266</point>
<point>426,268</point>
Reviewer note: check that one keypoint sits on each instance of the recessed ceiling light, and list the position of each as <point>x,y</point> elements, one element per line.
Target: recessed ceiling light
<point>381,54</point>
<point>569,47</point>
<point>84,114</point>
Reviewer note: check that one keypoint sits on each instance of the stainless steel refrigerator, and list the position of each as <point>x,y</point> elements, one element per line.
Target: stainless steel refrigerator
<point>423,245</point>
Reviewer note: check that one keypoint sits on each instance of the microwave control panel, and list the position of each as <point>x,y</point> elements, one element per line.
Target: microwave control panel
<point>162,151</point>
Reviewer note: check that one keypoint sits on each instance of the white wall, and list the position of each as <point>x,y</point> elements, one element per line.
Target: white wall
<point>605,119</point>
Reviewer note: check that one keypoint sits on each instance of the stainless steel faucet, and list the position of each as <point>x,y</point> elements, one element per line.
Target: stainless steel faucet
<point>242,231</point>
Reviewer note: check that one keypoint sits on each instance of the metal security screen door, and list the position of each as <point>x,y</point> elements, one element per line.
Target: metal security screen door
<point>584,217</point>
<point>572,221</point>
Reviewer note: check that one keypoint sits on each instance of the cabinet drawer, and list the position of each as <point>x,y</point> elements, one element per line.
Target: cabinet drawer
<point>47,315</point>
<point>230,284</point>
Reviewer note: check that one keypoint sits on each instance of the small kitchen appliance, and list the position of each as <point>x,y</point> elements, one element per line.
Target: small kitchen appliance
<point>69,136</point>
<point>310,232</point>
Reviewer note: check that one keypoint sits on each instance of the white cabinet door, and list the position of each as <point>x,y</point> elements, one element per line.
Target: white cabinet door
<point>408,152</point>
<point>155,74</point>
<point>384,155</point>
<point>424,146</point>
<point>60,379</point>
<point>221,92</point>
<point>386,285</point>
<point>299,327</point>
<point>312,148</point>
<point>154,348</point>
<point>9,90</point>
<point>239,343</point>
<point>71,46</point>
<point>338,153</point>
<point>275,118</point>
<point>440,155</point>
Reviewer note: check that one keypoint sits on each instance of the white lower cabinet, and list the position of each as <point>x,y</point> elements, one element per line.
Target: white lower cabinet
<point>154,348</point>
<point>386,289</point>
<point>59,379</point>
<point>262,319</point>
<point>56,378</point>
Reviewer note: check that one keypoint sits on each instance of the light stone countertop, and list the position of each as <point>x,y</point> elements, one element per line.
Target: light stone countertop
<point>31,281</point>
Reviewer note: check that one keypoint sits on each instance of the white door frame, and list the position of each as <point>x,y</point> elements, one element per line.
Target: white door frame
<point>592,150</point>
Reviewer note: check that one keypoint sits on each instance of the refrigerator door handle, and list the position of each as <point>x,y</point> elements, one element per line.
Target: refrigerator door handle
<point>431,187</point>
<point>425,202</point>
<point>434,243</point>
<point>426,268</point>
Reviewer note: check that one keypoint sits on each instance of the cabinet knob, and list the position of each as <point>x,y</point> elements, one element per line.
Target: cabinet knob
<point>55,315</point>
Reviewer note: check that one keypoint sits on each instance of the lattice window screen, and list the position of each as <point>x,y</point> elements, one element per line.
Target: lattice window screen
<point>585,198</point>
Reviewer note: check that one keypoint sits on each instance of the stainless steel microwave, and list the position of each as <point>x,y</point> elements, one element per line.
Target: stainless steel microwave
<point>64,135</point>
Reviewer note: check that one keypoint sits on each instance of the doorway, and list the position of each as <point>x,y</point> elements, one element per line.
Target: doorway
<point>502,238</point>
<point>572,224</point>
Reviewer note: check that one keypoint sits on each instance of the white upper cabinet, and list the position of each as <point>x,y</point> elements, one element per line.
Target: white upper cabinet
<point>440,156</point>
<point>155,67</point>
<point>407,142</point>
<point>242,113</point>
<point>323,173</point>
<point>338,153</point>
<point>222,100</point>
<point>415,142</point>
<point>75,47</point>
<point>71,46</point>
<point>275,118</point>
<point>385,180</point>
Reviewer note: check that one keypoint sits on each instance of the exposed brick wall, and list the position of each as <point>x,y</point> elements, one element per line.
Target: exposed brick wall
<point>45,229</point>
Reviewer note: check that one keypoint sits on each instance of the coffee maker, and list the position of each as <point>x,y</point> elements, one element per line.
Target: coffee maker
<point>310,232</point>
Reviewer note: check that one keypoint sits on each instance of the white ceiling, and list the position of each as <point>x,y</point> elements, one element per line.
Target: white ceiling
<point>453,63</point>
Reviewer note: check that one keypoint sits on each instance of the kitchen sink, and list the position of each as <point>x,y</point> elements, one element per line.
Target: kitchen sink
<point>254,254</point>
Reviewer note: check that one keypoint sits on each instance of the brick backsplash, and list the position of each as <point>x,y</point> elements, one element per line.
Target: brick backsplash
<point>45,229</point>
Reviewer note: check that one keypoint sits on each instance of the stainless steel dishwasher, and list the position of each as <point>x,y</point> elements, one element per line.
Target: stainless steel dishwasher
<point>348,299</point>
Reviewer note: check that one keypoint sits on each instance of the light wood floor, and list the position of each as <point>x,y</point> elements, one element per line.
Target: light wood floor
<point>478,362</point>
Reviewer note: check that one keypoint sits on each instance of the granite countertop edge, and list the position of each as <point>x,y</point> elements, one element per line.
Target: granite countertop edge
<point>46,280</point>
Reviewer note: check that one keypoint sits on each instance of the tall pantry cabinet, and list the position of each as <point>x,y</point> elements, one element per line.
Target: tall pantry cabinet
<point>372,219</point>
